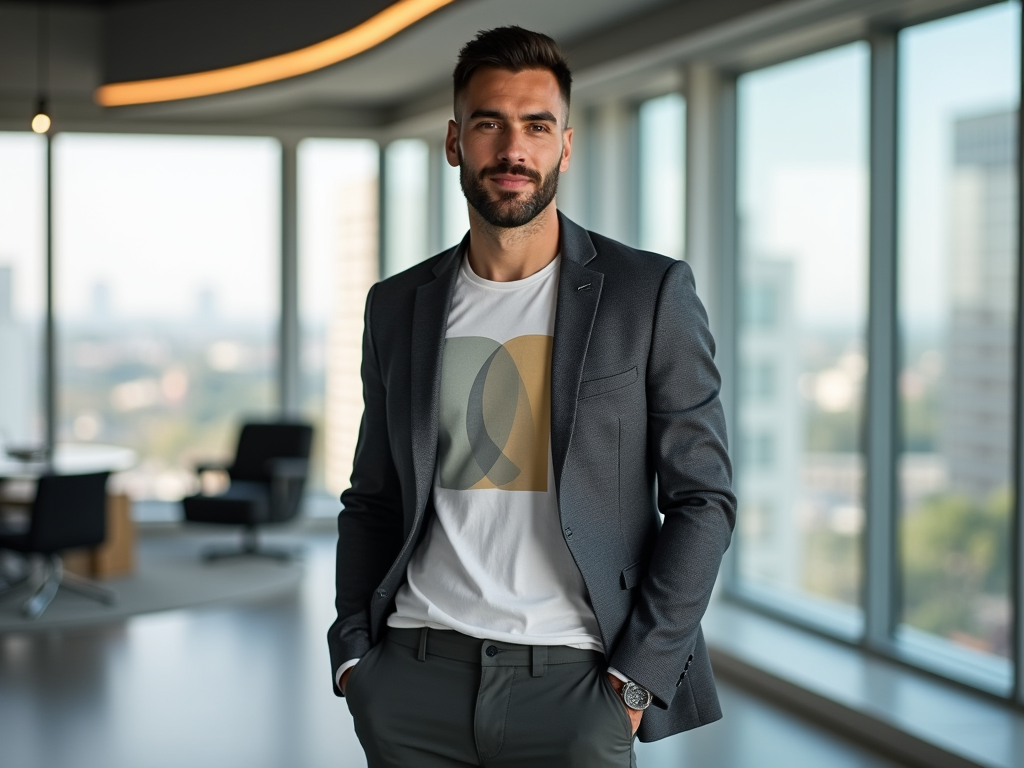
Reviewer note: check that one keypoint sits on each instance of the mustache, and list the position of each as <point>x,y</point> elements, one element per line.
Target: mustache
<point>512,170</point>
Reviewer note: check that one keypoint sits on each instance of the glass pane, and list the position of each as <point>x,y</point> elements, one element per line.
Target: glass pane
<point>338,264</point>
<point>167,265</point>
<point>406,165</point>
<point>803,273</point>
<point>456,214</point>
<point>958,265</point>
<point>662,172</point>
<point>22,287</point>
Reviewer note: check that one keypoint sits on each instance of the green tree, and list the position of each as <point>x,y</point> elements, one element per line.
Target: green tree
<point>956,554</point>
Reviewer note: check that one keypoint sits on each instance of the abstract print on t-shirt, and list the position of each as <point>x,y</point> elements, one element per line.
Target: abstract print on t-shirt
<point>495,413</point>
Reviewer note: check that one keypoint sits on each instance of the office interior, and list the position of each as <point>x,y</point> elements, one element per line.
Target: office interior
<point>186,247</point>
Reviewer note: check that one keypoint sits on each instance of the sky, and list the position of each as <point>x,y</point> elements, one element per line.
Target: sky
<point>162,220</point>
<point>804,156</point>
<point>802,174</point>
<point>22,159</point>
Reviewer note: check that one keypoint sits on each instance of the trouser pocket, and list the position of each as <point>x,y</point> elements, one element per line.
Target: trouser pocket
<point>353,686</point>
<point>617,704</point>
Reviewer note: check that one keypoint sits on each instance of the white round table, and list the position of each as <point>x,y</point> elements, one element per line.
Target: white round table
<point>72,459</point>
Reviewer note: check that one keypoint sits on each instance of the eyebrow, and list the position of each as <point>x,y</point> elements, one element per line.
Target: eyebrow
<point>540,117</point>
<point>533,117</point>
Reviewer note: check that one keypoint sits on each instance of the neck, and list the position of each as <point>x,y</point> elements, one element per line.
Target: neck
<point>504,254</point>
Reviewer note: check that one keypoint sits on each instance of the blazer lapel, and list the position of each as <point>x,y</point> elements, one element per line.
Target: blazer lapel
<point>579,292</point>
<point>430,320</point>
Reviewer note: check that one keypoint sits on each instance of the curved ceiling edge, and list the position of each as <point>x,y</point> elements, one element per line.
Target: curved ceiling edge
<point>360,38</point>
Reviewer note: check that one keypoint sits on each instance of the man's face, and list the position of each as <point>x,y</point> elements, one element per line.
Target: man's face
<point>511,143</point>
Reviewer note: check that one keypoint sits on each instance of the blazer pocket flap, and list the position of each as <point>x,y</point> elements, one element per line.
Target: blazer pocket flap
<point>633,574</point>
<point>595,387</point>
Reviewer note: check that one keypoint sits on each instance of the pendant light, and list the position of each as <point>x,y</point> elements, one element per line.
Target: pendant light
<point>41,122</point>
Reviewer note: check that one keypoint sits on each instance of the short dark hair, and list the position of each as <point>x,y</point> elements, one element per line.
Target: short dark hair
<point>514,49</point>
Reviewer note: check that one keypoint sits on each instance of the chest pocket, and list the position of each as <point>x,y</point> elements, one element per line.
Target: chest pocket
<point>595,387</point>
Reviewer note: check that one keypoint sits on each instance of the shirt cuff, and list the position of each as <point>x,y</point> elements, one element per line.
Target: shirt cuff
<point>342,670</point>
<point>614,672</point>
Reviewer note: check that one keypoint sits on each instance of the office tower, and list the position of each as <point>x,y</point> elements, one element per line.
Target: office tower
<point>356,270</point>
<point>771,425</point>
<point>977,429</point>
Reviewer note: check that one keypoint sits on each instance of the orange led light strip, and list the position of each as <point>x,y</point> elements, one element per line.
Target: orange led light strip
<point>370,33</point>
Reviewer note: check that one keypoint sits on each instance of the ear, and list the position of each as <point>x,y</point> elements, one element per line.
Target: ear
<point>563,166</point>
<point>451,144</point>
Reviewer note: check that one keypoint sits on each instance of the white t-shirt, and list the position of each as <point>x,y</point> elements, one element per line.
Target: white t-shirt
<point>493,563</point>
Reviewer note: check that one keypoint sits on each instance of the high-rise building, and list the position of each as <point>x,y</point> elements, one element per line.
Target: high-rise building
<point>357,269</point>
<point>770,424</point>
<point>977,433</point>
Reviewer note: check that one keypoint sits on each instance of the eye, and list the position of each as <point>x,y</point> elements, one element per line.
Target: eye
<point>538,128</point>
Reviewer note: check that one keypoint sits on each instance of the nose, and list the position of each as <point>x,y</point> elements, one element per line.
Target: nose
<point>512,149</point>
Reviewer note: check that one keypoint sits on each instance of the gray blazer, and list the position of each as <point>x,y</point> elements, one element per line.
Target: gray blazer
<point>634,397</point>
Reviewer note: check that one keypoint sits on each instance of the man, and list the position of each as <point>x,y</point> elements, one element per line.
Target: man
<point>507,592</point>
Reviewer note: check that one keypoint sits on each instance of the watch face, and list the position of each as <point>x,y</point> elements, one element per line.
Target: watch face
<point>635,697</point>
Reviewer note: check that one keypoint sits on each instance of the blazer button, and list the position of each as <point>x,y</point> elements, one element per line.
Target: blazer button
<point>382,593</point>
<point>568,532</point>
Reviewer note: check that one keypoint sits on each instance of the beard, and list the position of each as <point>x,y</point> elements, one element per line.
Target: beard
<point>509,209</point>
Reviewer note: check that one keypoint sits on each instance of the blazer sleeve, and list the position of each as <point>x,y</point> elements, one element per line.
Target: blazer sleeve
<point>687,444</point>
<point>370,523</point>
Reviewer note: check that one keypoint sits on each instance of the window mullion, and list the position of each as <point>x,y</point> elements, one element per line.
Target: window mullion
<point>879,551</point>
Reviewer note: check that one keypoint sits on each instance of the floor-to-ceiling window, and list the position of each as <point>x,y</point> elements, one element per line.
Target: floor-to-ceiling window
<point>802,303</point>
<point>947,101</point>
<point>454,212</point>
<point>338,262</point>
<point>958,104</point>
<point>406,214</point>
<point>22,287</point>
<point>167,263</point>
<point>662,135</point>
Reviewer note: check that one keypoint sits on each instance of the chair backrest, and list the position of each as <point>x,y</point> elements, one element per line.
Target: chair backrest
<point>69,511</point>
<point>259,443</point>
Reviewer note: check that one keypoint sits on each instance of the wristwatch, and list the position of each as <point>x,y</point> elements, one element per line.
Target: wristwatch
<point>635,697</point>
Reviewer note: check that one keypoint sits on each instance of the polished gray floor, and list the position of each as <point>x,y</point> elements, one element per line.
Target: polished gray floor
<point>248,685</point>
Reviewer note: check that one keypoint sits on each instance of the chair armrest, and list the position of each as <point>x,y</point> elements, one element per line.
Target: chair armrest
<point>288,468</point>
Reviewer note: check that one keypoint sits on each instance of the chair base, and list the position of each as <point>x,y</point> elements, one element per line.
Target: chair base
<point>55,577</point>
<point>251,547</point>
<point>9,585</point>
<point>10,580</point>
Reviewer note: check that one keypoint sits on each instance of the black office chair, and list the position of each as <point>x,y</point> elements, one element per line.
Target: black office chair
<point>69,512</point>
<point>267,479</point>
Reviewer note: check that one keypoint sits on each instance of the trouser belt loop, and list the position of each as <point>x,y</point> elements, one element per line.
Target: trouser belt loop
<point>422,655</point>
<point>539,660</point>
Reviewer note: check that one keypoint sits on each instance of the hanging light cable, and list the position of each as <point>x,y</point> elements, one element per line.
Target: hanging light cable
<point>41,122</point>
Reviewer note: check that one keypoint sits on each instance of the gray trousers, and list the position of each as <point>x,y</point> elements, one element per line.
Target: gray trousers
<point>440,699</point>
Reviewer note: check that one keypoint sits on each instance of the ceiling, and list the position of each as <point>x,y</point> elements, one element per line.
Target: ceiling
<point>93,42</point>
<point>419,60</point>
<point>634,45</point>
